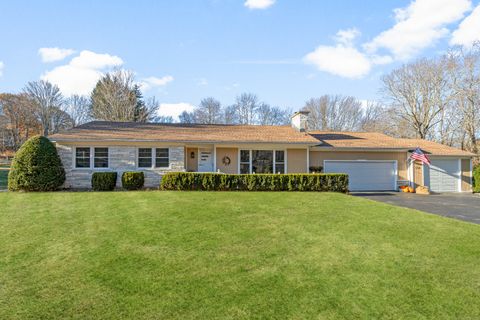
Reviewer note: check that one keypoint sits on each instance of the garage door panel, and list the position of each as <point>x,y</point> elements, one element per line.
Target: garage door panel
<point>365,175</point>
<point>444,175</point>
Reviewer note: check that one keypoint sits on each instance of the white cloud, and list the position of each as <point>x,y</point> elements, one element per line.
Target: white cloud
<point>2,65</point>
<point>343,59</point>
<point>346,37</point>
<point>468,31</point>
<point>259,4</point>
<point>54,54</point>
<point>154,82</point>
<point>418,26</point>
<point>340,60</point>
<point>81,74</point>
<point>174,109</point>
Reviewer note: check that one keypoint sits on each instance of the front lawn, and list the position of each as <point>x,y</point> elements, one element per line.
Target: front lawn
<point>201,255</point>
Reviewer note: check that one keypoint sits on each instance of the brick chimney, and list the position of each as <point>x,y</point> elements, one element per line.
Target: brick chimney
<point>299,121</point>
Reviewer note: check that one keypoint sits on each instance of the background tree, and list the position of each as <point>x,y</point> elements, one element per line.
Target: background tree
<point>114,98</point>
<point>186,117</point>
<point>418,93</point>
<point>17,120</point>
<point>245,108</point>
<point>78,107</point>
<point>47,100</point>
<point>334,113</point>
<point>209,111</point>
<point>268,115</point>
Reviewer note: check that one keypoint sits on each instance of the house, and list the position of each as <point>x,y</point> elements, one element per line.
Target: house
<point>374,161</point>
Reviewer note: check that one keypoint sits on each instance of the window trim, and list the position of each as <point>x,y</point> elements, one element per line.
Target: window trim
<point>274,159</point>
<point>154,158</point>
<point>91,158</point>
<point>137,155</point>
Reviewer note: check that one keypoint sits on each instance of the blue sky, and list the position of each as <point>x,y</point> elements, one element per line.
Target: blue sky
<point>285,51</point>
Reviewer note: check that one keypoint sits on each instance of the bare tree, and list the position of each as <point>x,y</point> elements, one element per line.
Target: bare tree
<point>78,107</point>
<point>334,113</point>
<point>46,99</point>
<point>209,111</point>
<point>114,98</point>
<point>268,115</point>
<point>419,93</point>
<point>245,108</point>
<point>375,117</point>
<point>464,70</point>
<point>186,117</point>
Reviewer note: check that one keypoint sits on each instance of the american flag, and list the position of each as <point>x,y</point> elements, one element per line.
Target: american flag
<point>420,156</point>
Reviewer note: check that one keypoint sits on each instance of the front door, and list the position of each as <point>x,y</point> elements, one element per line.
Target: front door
<point>205,160</point>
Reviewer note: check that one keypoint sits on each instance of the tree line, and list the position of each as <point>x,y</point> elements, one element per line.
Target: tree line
<point>436,99</point>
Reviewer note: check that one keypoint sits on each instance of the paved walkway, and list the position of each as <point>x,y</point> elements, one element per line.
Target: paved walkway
<point>463,206</point>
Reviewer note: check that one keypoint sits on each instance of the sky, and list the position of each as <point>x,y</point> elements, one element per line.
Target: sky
<point>285,51</point>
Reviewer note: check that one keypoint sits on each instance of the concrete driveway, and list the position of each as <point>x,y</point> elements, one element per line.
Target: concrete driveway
<point>463,206</point>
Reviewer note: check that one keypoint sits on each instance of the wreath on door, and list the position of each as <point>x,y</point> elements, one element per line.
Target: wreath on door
<point>226,161</point>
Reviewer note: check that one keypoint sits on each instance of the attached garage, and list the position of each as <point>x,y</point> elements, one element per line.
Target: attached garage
<point>444,175</point>
<point>366,175</point>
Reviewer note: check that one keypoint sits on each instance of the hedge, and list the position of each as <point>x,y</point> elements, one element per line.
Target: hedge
<point>132,180</point>
<point>254,182</point>
<point>104,181</point>
<point>476,179</point>
<point>36,167</point>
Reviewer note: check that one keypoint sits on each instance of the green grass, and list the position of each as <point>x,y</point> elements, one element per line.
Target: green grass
<point>201,255</point>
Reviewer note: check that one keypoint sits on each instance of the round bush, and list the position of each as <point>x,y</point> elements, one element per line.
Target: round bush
<point>36,167</point>
<point>104,181</point>
<point>133,180</point>
<point>476,179</point>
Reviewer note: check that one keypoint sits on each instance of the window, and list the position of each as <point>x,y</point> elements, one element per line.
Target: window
<point>279,161</point>
<point>144,157</point>
<point>161,158</point>
<point>244,161</point>
<point>100,158</point>
<point>262,161</point>
<point>82,157</point>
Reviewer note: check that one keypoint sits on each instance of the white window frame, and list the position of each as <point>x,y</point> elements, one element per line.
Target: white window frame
<point>251,160</point>
<point>91,158</point>
<point>154,158</point>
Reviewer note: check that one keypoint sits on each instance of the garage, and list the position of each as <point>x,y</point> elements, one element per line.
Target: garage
<point>444,175</point>
<point>366,175</point>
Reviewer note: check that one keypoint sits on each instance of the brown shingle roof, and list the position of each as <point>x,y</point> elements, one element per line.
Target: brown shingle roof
<point>121,131</point>
<point>374,140</point>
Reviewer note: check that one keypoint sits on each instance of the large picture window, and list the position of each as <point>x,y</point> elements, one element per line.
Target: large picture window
<point>82,157</point>
<point>262,161</point>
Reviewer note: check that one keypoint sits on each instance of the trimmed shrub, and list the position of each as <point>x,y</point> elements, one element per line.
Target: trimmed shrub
<point>36,167</point>
<point>104,181</point>
<point>254,182</point>
<point>476,179</point>
<point>132,180</point>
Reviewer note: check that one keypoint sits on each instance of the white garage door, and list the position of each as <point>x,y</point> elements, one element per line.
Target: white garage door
<point>444,175</point>
<point>366,175</point>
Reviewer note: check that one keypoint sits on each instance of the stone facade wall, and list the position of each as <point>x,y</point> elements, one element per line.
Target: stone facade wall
<point>121,158</point>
